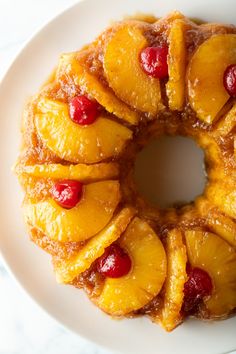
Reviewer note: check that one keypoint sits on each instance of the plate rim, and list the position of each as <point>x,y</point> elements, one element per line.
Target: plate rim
<point>4,77</point>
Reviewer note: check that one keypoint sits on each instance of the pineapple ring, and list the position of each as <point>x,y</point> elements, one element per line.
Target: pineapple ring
<point>99,202</point>
<point>207,94</point>
<point>227,123</point>
<point>209,252</point>
<point>67,270</point>
<point>175,87</point>
<point>80,144</point>
<point>170,315</point>
<point>125,75</point>
<point>134,290</point>
<point>80,172</point>
<point>218,223</point>
<point>70,67</point>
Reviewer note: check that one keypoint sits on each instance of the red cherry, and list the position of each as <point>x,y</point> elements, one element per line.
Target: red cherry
<point>67,193</point>
<point>153,61</point>
<point>229,80</point>
<point>198,285</point>
<point>82,110</point>
<point>114,263</point>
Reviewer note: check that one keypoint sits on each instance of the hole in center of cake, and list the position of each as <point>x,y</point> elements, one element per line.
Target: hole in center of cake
<point>170,171</point>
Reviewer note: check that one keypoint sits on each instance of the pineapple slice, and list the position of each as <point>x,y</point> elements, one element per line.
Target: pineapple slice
<point>175,87</point>
<point>70,67</point>
<point>227,123</point>
<point>206,91</point>
<point>223,195</point>
<point>218,223</point>
<point>80,172</point>
<point>97,205</point>
<point>224,227</point>
<point>170,315</point>
<point>131,292</point>
<point>67,270</point>
<point>163,24</point>
<point>124,73</point>
<point>80,144</point>
<point>209,252</point>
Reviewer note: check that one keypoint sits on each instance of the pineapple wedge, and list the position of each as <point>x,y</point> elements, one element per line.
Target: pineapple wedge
<point>218,223</point>
<point>209,252</point>
<point>206,91</point>
<point>170,315</point>
<point>131,292</point>
<point>97,205</point>
<point>67,270</point>
<point>227,123</point>
<point>80,172</point>
<point>175,87</point>
<point>69,67</point>
<point>124,73</point>
<point>75,143</point>
<point>163,24</point>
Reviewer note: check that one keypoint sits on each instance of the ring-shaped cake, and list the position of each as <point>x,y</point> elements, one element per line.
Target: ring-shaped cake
<point>140,79</point>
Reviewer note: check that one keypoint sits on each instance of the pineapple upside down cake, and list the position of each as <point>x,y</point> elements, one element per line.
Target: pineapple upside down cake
<point>141,78</point>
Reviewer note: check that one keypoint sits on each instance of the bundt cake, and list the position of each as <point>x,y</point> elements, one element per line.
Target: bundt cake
<point>140,79</point>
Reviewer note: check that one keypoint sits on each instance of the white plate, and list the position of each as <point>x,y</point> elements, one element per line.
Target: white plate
<point>30,265</point>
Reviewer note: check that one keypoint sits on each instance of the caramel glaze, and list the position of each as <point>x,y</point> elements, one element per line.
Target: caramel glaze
<point>183,123</point>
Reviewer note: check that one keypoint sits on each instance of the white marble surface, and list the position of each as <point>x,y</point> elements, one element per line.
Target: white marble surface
<point>25,328</point>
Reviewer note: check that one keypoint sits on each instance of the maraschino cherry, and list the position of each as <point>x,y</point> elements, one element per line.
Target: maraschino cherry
<point>114,263</point>
<point>229,80</point>
<point>153,61</point>
<point>83,111</point>
<point>198,285</point>
<point>67,193</point>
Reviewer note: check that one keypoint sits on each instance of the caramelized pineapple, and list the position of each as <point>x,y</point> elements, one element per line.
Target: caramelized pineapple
<point>69,67</point>
<point>67,270</point>
<point>124,73</point>
<point>176,277</point>
<point>218,223</point>
<point>227,123</point>
<point>163,23</point>
<point>206,91</point>
<point>224,227</point>
<point>131,292</point>
<point>175,87</point>
<point>80,172</point>
<point>80,144</point>
<point>97,205</point>
<point>212,254</point>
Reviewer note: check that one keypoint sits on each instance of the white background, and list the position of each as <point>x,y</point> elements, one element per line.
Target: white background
<point>24,328</point>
